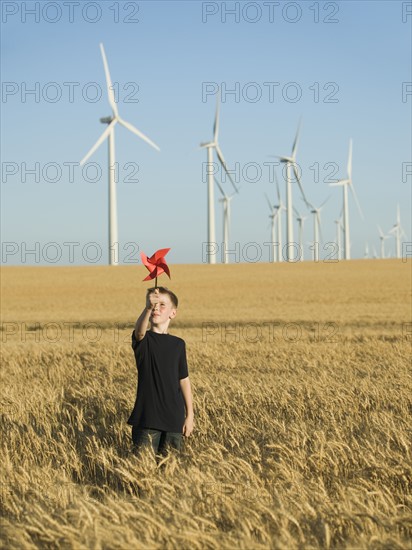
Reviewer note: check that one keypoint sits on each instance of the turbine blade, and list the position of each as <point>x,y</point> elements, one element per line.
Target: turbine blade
<point>218,184</point>
<point>282,159</point>
<point>277,188</point>
<point>349,167</point>
<point>137,132</point>
<point>99,141</point>
<point>295,143</point>
<point>356,200</point>
<point>216,124</point>
<point>269,203</point>
<point>300,185</point>
<point>223,163</point>
<point>324,202</point>
<point>338,183</point>
<point>110,91</point>
<point>309,206</point>
<point>320,226</point>
<point>381,232</point>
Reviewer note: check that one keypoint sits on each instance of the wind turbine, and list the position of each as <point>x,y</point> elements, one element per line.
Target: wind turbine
<point>291,166</point>
<point>317,228</point>
<point>398,231</point>
<point>225,200</point>
<point>301,221</point>
<point>274,213</point>
<point>279,207</point>
<point>338,234</point>
<point>345,183</point>
<point>382,239</point>
<point>210,145</point>
<point>366,255</point>
<point>277,211</point>
<point>111,121</point>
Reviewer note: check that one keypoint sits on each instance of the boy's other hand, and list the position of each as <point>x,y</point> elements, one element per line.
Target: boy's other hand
<point>188,426</point>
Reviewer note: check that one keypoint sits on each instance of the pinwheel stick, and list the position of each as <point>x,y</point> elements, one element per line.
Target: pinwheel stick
<point>156,283</point>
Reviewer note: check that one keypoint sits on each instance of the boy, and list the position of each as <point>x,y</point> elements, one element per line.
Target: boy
<point>163,391</point>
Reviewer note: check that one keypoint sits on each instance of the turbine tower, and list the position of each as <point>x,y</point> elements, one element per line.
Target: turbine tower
<point>225,200</point>
<point>210,146</point>
<point>398,232</point>
<point>317,228</point>
<point>338,235</point>
<point>291,166</point>
<point>226,223</point>
<point>382,238</point>
<point>274,213</point>
<point>345,183</point>
<point>111,121</point>
<point>279,207</point>
<point>301,220</point>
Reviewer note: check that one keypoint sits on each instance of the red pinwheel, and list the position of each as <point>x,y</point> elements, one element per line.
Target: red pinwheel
<point>156,264</point>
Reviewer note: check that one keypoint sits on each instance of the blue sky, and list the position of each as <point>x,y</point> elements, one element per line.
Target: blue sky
<point>344,79</point>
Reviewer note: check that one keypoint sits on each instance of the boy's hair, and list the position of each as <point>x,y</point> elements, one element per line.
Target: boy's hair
<point>165,290</point>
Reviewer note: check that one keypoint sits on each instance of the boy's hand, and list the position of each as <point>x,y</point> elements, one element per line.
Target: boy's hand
<point>188,426</point>
<point>152,299</point>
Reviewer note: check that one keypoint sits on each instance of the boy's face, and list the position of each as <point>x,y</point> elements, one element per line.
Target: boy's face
<point>163,310</point>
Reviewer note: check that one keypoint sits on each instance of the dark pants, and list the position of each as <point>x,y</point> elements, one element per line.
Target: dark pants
<point>158,439</point>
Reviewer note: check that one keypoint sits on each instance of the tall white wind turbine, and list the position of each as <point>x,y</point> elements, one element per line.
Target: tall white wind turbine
<point>226,224</point>
<point>210,146</point>
<point>317,230</point>
<point>225,200</point>
<point>398,232</point>
<point>279,207</point>
<point>291,167</point>
<point>347,183</point>
<point>276,216</point>
<point>338,235</point>
<point>111,121</point>
<point>301,220</point>
<point>274,213</point>
<point>382,238</point>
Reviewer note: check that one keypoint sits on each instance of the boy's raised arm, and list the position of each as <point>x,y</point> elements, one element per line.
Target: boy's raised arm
<point>142,322</point>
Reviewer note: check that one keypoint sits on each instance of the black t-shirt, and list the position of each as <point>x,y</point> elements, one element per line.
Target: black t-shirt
<point>161,363</point>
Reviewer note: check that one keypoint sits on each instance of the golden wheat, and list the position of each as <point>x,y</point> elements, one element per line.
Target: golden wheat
<point>302,387</point>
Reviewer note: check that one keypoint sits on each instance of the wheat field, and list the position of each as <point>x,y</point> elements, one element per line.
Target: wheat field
<point>301,378</point>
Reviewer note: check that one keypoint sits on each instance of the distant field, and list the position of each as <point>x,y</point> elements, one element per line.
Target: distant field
<point>301,375</point>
